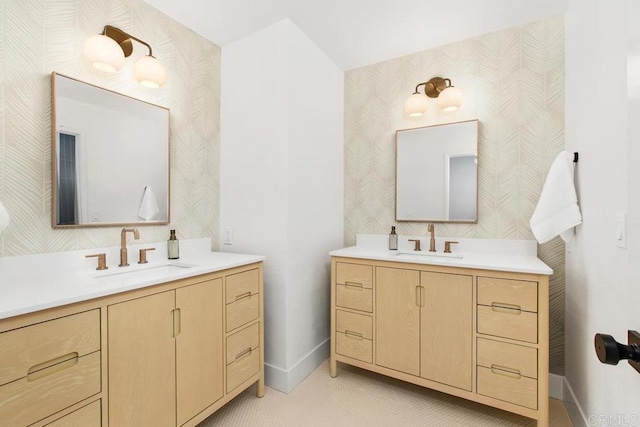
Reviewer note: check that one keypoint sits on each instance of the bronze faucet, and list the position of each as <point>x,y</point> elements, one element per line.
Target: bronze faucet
<point>123,244</point>
<point>416,246</point>
<point>432,242</point>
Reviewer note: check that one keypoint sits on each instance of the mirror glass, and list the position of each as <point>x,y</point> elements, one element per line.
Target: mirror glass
<point>437,173</point>
<point>110,157</point>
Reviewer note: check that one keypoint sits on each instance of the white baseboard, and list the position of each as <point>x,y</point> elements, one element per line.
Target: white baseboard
<point>556,390</point>
<point>286,380</point>
<point>573,406</point>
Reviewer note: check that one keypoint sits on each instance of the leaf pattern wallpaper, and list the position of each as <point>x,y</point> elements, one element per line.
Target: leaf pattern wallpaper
<point>41,36</point>
<point>513,82</point>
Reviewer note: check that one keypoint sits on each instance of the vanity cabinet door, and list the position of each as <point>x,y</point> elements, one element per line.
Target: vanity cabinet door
<point>397,316</point>
<point>199,348</point>
<point>446,329</point>
<point>142,362</point>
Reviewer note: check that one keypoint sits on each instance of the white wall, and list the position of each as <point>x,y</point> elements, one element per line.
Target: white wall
<point>282,185</point>
<point>596,275</point>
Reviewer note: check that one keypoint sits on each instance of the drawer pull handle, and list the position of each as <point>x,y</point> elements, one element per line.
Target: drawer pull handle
<point>354,285</point>
<point>506,372</point>
<point>52,366</point>
<point>244,354</point>
<point>246,295</point>
<point>354,335</point>
<point>502,307</point>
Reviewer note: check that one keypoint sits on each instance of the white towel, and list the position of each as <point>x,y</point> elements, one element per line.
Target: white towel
<point>4,217</point>
<point>149,206</point>
<point>557,211</point>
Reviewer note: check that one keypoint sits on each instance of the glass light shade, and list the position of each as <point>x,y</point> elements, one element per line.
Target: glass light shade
<point>416,105</point>
<point>104,53</point>
<point>450,99</point>
<point>149,72</point>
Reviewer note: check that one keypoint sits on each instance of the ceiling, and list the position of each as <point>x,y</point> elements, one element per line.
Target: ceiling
<point>355,33</point>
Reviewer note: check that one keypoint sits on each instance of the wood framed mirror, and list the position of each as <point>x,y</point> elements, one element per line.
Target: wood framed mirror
<point>437,173</point>
<point>110,157</point>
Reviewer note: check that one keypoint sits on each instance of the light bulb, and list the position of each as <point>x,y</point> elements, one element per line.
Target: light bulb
<point>450,99</point>
<point>149,72</point>
<point>104,53</point>
<point>416,105</point>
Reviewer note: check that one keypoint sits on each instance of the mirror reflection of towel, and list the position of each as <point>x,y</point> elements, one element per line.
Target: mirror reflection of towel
<point>149,206</point>
<point>557,211</point>
<point>4,217</point>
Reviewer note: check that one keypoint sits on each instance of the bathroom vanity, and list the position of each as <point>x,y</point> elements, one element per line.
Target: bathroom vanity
<point>474,325</point>
<point>161,345</point>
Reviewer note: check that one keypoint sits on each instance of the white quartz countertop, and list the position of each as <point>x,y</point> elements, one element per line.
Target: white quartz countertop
<point>35,291</point>
<point>518,262</point>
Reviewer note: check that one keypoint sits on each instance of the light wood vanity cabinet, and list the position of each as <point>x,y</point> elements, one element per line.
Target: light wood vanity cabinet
<point>178,333</point>
<point>424,324</point>
<point>38,361</point>
<point>166,355</point>
<point>477,334</point>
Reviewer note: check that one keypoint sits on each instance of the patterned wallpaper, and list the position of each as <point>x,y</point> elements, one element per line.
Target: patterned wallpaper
<point>41,36</point>
<point>513,81</point>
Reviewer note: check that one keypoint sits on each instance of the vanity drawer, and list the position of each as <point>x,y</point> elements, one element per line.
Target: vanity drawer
<point>87,416</point>
<point>516,294</point>
<point>49,390</point>
<point>354,275</point>
<point>511,357</point>
<point>508,323</point>
<point>354,297</point>
<point>507,386</point>
<point>248,338</point>
<point>241,284</point>
<point>242,311</point>
<point>354,324</point>
<point>354,336</point>
<point>354,346</point>
<point>243,356</point>
<point>23,350</point>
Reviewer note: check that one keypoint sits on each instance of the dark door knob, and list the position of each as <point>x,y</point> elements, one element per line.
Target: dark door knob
<point>610,351</point>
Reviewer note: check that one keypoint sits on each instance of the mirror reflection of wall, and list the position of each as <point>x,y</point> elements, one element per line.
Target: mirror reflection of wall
<point>110,149</point>
<point>437,173</point>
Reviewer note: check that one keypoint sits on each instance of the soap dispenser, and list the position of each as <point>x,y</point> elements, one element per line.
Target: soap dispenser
<point>393,239</point>
<point>173,246</point>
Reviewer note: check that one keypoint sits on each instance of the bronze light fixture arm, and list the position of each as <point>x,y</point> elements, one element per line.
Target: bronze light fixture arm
<point>433,87</point>
<point>124,39</point>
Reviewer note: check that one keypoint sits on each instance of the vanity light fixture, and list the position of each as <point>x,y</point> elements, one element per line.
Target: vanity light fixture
<point>107,51</point>
<point>449,97</point>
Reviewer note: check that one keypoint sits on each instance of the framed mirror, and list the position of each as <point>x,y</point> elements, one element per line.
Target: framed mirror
<point>437,173</point>
<point>110,157</point>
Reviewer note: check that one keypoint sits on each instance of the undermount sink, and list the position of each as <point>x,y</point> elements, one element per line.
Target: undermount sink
<point>145,273</point>
<point>426,256</point>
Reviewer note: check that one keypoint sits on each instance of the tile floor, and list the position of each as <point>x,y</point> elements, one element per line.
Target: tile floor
<point>361,398</point>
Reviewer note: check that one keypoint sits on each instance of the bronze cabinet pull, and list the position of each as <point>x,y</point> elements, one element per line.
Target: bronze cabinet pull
<point>244,354</point>
<point>353,335</point>
<point>503,307</point>
<point>246,295</point>
<point>176,323</point>
<point>506,372</point>
<point>354,285</point>
<point>52,366</point>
